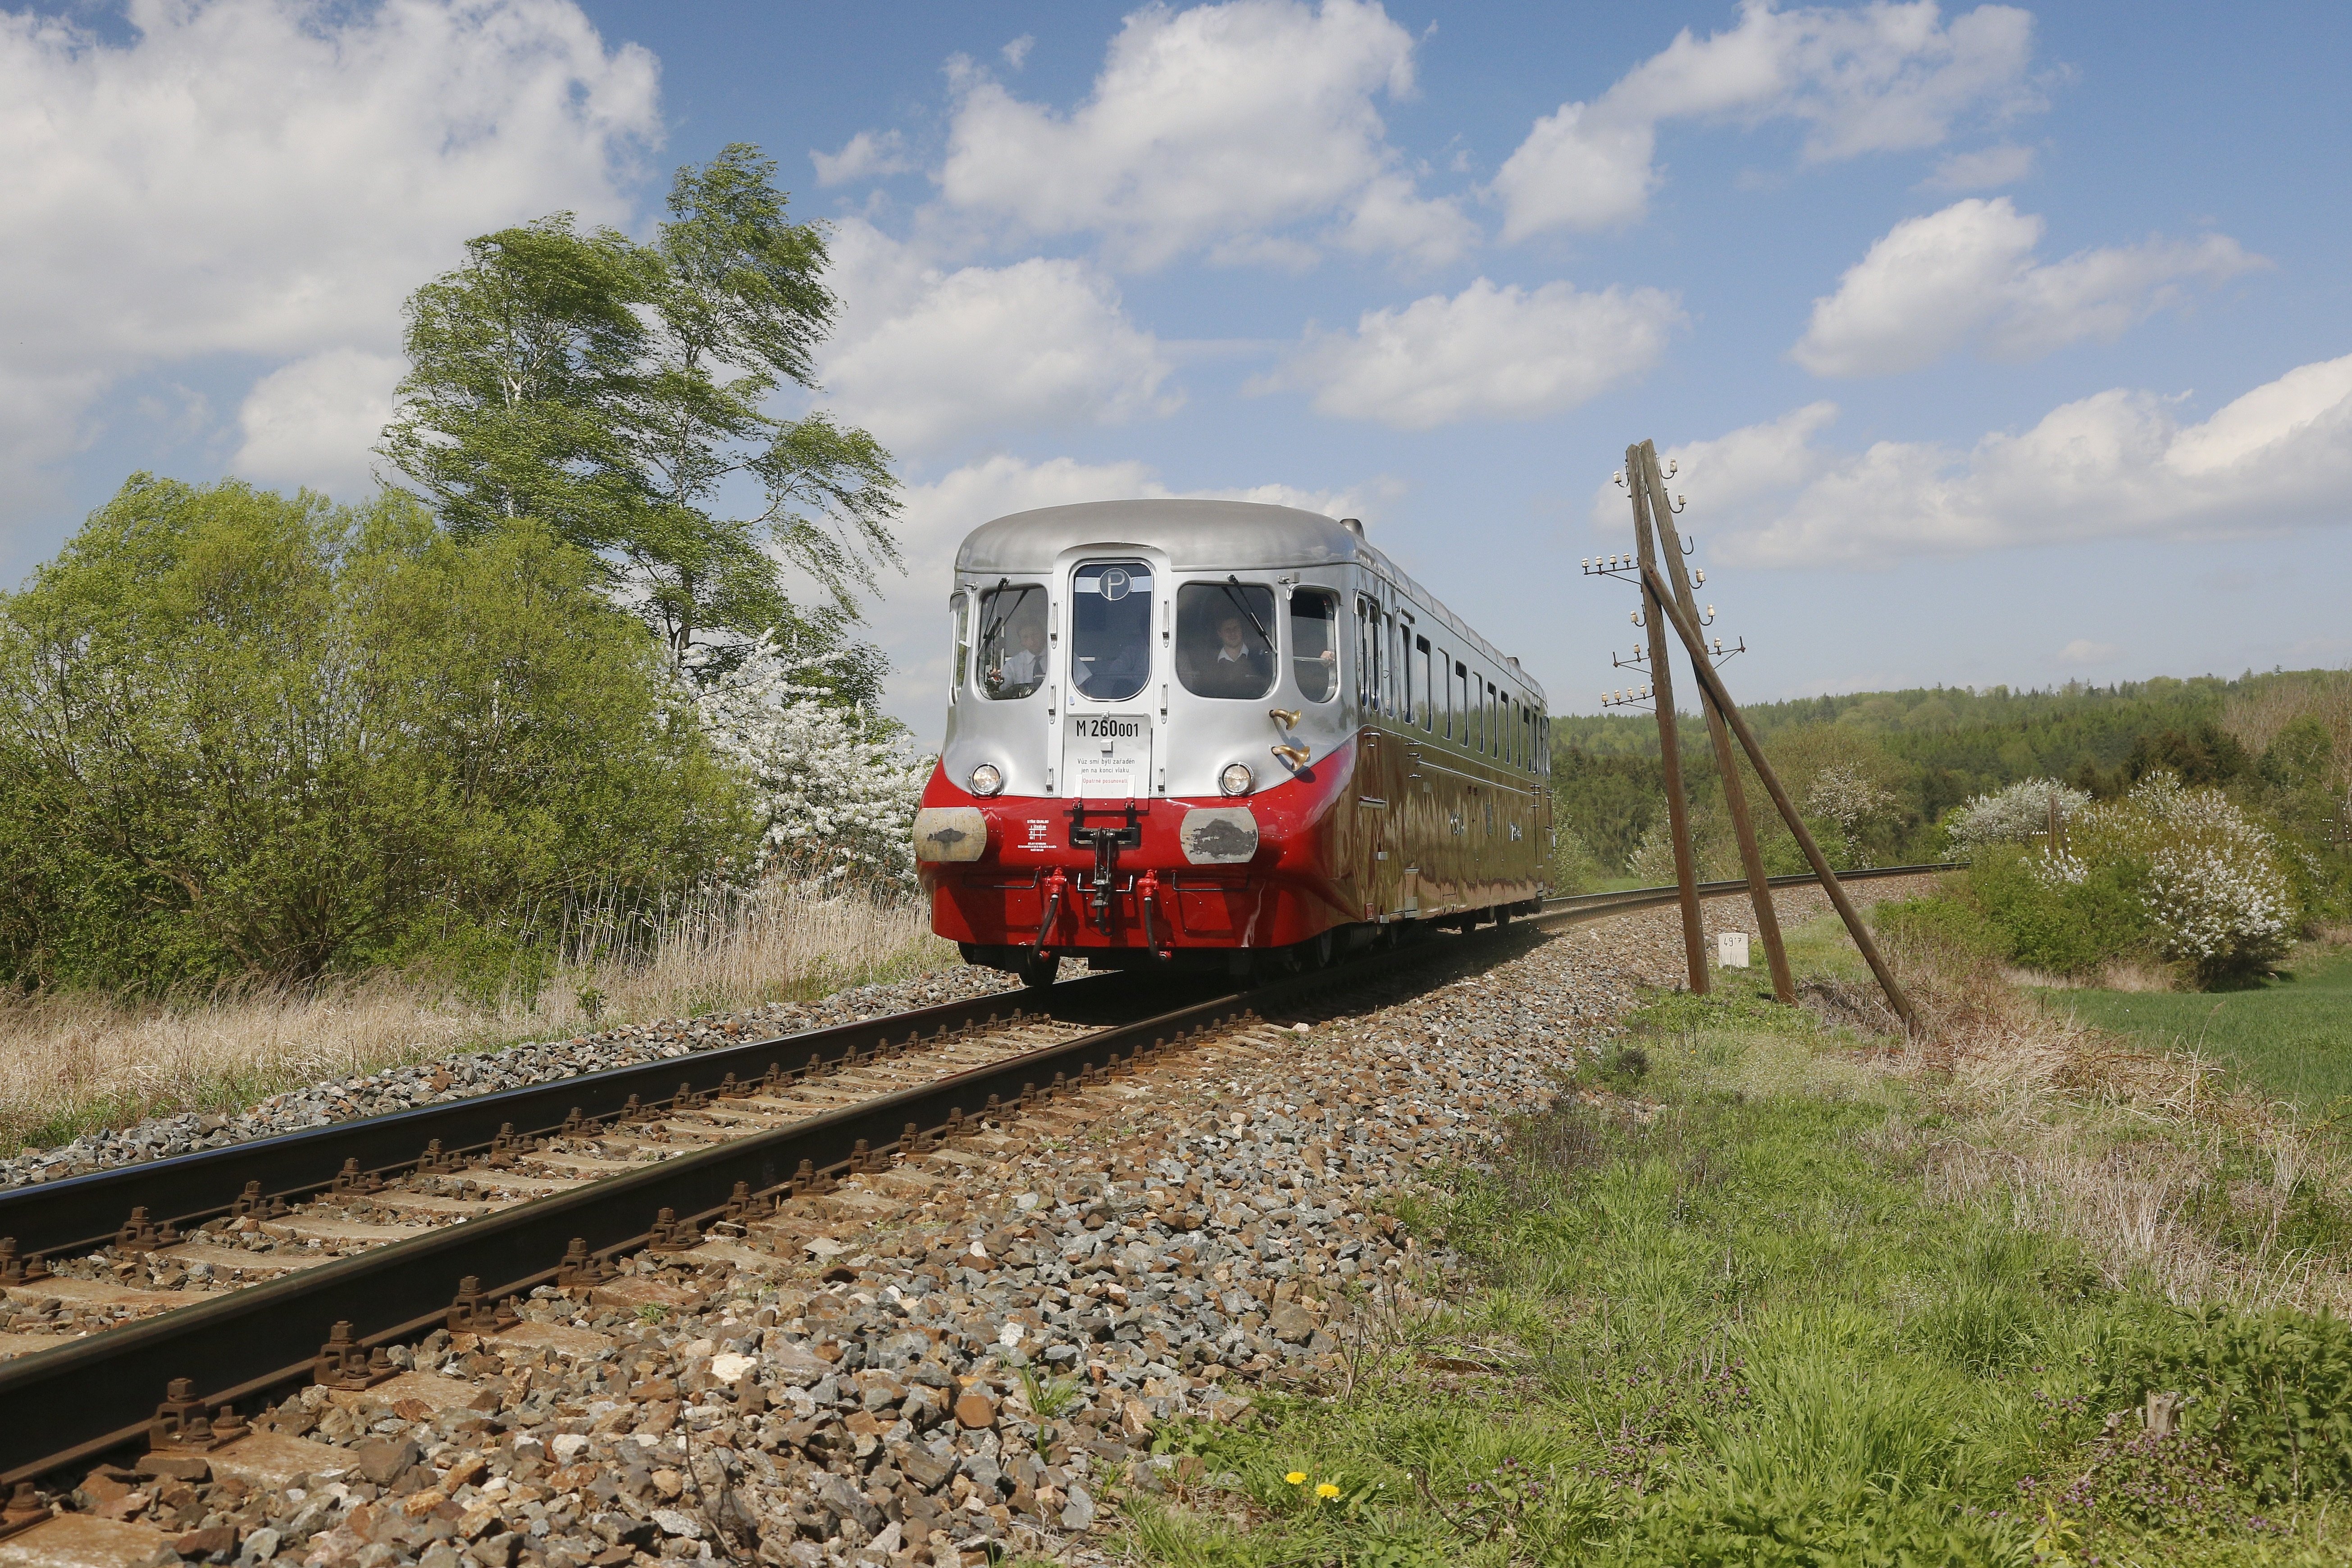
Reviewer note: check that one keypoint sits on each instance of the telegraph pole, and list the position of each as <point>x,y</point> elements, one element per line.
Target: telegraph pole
<point>1735,793</point>
<point>1661,684</point>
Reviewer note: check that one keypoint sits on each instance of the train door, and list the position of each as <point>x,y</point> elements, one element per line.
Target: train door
<point>1378,761</point>
<point>1412,833</point>
<point>1106,730</point>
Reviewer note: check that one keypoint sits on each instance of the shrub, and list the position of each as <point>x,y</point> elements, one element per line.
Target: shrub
<point>1574,866</point>
<point>835,785</point>
<point>2061,927</point>
<point>2208,876</point>
<point>2018,814</point>
<point>249,734</point>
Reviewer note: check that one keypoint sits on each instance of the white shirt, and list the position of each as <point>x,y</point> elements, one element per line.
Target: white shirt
<point>1021,666</point>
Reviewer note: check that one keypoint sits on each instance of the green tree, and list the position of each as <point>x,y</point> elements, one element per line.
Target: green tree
<point>663,458</point>
<point>244,734</point>
<point>513,358</point>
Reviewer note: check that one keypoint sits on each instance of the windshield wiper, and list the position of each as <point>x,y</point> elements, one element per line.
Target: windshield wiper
<point>1232,585</point>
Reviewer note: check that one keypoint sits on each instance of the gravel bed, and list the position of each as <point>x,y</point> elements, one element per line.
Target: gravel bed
<point>459,1076</point>
<point>968,1352</point>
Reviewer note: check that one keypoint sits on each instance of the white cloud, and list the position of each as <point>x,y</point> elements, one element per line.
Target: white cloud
<point>2083,650</point>
<point>1968,273</point>
<point>925,355</point>
<point>1216,130</point>
<point>1016,53</point>
<point>1485,353</point>
<point>1878,78</point>
<point>272,177</point>
<point>2120,464</point>
<point>1985,169</point>
<point>864,156</point>
<point>313,422</point>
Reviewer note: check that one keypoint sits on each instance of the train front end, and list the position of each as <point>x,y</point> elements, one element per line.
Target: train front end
<point>1147,760</point>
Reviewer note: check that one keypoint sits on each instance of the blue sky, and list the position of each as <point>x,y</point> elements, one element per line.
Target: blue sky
<point>1996,345</point>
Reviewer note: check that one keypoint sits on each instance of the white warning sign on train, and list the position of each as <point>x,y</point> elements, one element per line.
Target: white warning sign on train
<point>1108,755</point>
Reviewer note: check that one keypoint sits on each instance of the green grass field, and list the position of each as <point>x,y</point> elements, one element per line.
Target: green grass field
<point>2291,1036</point>
<point>1743,1331</point>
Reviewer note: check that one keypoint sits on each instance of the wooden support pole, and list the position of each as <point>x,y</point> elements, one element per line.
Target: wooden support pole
<point>1735,793</point>
<point>1713,683</point>
<point>1662,689</point>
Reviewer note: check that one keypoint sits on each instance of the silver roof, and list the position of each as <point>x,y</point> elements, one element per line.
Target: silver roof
<point>1198,536</point>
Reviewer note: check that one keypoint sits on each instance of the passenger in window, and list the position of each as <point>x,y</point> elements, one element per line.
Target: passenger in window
<point>1315,644</point>
<point>1237,669</point>
<point>1223,644</point>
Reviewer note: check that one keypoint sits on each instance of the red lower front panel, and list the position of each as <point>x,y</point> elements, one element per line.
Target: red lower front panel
<point>1300,883</point>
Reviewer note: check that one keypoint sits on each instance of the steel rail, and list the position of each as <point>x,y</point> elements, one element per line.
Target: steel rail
<point>1646,898</point>
<point>98,1393</point>
<point>86,1211</point>
<point>80,1214</point>
<point>85,1397</point>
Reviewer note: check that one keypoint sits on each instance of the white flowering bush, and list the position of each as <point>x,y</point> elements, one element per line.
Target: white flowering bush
<point>836,786</point>
<point>1848,798</point>
<point>2018,814</point>
<point>2209,877</point>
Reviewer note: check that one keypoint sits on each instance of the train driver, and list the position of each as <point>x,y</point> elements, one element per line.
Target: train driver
<point>1024,668</point>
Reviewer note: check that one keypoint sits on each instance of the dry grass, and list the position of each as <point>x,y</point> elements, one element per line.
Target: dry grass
<point>70,1063</point>
<point>2119,975</point>
<point>2063,1128</point>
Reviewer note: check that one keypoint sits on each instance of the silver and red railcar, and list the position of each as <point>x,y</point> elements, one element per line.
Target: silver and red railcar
<point>1197,732</point>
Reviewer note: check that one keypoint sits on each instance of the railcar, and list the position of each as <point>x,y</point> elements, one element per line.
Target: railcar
<point>1188,733</point>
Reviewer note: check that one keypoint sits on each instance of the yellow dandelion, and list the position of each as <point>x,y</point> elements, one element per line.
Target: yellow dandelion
<point>1327,1490</point>
<point>1296,1477</point>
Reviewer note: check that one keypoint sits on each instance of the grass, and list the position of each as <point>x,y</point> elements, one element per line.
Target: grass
<point>2291,1034</point>
<point>1769,1292</point>
<point>70,1063</point>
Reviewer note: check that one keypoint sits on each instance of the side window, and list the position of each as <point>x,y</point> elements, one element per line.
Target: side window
<point>1012,641</point>
<point>1494,735</point>
<point>1423,708</point>
<point>959,640</point>
<point>1399,667</point>
<point>1224,639</point>
<point>1315,643</point>
<point>1367,684</point>
<point>1460,717</point>
<point>1382,649</point>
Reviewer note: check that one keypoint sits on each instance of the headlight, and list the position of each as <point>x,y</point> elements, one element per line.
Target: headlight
<point>986,780</point>
<point>1237,779</point>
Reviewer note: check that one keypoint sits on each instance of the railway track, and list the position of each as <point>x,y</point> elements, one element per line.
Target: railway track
<point>312,1252</point>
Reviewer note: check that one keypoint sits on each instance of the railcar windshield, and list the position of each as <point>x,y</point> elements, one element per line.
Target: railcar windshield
<point>1110,629</point>
<point>1315,643</point>
<point>1013,640</point>
<point>1224,639</point>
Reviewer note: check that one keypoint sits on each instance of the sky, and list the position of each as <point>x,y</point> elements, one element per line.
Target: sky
<point>1994,344</point>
